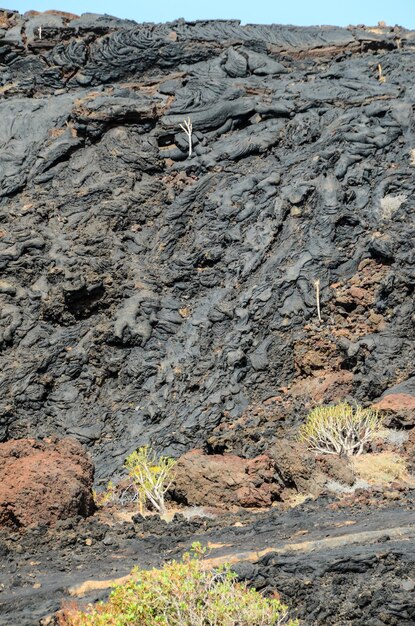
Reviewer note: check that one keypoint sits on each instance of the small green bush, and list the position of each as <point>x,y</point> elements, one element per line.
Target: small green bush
<point>183,593</point>
<point>151,476</point>
<point>340,429</point>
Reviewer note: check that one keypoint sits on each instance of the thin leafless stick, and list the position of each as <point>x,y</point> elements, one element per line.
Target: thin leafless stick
<point>187,127</point>
<point>317,286</point>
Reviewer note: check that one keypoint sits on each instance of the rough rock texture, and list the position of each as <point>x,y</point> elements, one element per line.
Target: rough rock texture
<point>410,451</point>
<point>334,566</point>
<point>225,480</point>
<point>296,466</point>
<point>43,482</point>
<point>228,480</point>
<point>337,468</point>
<point>399,407</point>
<point>149,295</point>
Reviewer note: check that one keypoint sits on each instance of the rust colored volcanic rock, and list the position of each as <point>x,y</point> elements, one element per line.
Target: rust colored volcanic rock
<point>297,468</point>
<point>337,468</point>
<point>43,482</point>
<point>225,480</point>
<point>326,387</point>
<point>400,406</point>
<point>397,402</point>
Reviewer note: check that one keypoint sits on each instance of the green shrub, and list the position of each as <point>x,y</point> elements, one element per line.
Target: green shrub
<point>183,593</point>
<point>151,476</point>
<point>340,429</point>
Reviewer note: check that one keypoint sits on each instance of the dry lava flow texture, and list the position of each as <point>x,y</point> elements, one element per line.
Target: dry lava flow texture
<point>206,232</point>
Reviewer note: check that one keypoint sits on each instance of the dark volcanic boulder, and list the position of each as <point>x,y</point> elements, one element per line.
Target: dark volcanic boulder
<point>43,482</point>
<point>225,480</point>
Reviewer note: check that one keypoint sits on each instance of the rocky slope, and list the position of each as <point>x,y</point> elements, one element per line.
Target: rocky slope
<point>204,302</point>
<point>149,295</point>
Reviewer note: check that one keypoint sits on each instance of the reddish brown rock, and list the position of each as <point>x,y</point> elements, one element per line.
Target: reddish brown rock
<point>225,480</point>
<point>396,402</point>
<point>359,295</point>
<point>401,406</point>
<point>313,353</point>
<point>306,472</point>
<point>325,387</point>
<point>336,468</point>
<point>228,480</point>
<point>296,466</point>
<point>65,14</point>
<point>42,482</point>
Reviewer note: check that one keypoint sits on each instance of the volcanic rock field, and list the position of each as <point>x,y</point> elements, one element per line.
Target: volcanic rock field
<point>203,299</point>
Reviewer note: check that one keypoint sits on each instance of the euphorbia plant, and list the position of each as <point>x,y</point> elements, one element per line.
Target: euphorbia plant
<point>151,476</point>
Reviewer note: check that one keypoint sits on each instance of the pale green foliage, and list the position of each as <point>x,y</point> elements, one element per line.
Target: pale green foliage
<point>184,593</point>
<point>340,429</point>
<point>151,475</point>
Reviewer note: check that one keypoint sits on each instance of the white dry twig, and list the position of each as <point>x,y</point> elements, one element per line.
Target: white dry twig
<point>317,287</point>
<point>187,127</point>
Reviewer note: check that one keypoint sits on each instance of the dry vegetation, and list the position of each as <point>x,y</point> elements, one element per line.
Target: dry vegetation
<point>381,469</point>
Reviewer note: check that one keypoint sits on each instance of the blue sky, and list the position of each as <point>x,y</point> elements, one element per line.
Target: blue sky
<point>301,12</point>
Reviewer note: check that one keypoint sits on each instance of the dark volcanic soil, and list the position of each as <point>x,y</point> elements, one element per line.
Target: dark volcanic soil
<point>333,565</point>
